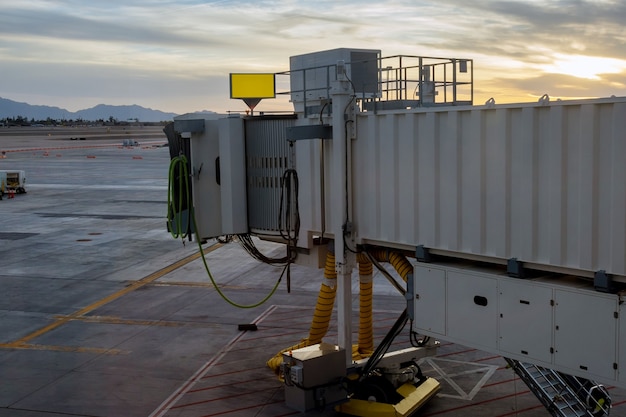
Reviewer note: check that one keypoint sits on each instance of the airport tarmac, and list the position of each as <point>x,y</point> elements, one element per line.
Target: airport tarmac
<point>104,314</point>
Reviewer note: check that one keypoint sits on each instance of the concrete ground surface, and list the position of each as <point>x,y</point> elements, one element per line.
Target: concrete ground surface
<point>104,314</point>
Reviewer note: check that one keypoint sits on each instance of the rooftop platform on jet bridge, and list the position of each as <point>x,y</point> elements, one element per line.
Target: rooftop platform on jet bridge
<point>104,314</point>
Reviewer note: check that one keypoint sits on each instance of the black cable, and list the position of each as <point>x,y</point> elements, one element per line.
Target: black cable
<point>289,176</point>
<point>322,156</point>
<point>347,141</point>
<point>246,242</point>
<point>347,182</point>
<point>323,188</point>
<point>384,346</point>
<point>289,182</point>
<point>415,342</point>
<point>322,112</point>
<point>345,127</point>
<point>225,239</point>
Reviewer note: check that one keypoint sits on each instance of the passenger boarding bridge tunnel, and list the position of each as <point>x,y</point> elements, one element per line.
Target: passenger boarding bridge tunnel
<point>511,214</point>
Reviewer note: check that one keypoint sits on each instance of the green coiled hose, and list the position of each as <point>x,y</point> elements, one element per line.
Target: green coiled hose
<point>179,166</point>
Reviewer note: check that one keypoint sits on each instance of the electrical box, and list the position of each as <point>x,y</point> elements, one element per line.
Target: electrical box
<point>558,322</point>
<point>312,74</point>
<point>313,376</point>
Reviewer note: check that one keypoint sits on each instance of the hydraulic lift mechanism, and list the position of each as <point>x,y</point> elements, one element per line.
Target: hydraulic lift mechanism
<point>506,223</point>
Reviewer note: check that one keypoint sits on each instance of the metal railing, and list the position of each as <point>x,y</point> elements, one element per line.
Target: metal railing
<point>426,81</point>
<point>394,82</point>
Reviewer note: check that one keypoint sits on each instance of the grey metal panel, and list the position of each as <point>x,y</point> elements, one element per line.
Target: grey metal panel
<point>429,299</point>
<point>206,190</point>
<point>233,176</point>
<point>191,126</point>
<point>545,184</point>
<point>621,345</point>
<point>267,156</point>
<point>310,132</point>
<point>364,72</point>
<point>472,299</point>
<point>525,322</point>
<point>579,331</point>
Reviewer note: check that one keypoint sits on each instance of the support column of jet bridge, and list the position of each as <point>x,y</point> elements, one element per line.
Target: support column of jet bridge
<point>342,96</point>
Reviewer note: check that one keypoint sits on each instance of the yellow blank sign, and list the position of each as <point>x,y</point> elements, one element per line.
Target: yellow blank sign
<point>252,86</point>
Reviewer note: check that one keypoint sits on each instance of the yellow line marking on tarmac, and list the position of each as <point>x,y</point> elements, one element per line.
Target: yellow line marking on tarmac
<point>60,321</point>
<point>64,348</point>
<point>119,320</point>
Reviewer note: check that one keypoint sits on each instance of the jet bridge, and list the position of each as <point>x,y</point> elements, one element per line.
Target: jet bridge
<point>513,215</point>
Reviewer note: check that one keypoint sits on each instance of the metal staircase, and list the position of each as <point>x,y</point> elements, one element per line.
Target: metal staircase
<point>563,395</point>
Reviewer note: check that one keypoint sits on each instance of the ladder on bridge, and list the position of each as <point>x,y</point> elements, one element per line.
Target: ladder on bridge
<point>563,395</point>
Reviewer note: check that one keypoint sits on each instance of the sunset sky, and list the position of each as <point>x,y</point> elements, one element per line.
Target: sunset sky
<point>176,55</point>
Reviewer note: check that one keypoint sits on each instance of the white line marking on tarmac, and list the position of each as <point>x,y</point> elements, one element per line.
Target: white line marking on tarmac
<point>200,373</point>
<point>96,187</point>
<point>474,368</point>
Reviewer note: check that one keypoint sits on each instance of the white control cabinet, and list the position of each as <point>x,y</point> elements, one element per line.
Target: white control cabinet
<point>561,324</point>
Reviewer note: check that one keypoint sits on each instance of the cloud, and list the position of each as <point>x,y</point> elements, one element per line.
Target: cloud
<point>515,28</point>
<point>62,26</point>
<point>170,45</point>
<point>555,85</point>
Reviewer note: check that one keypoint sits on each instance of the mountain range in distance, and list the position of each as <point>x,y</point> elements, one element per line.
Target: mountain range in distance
<point>14,109</point>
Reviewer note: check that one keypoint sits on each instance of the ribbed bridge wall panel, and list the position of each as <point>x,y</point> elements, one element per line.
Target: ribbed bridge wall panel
<point>545,184</point>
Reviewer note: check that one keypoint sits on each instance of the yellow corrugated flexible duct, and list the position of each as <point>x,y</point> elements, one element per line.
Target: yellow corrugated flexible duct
<point>399,262</point>
<point>326,301</point>
<point>366,305</point>
<point>321,316</point>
